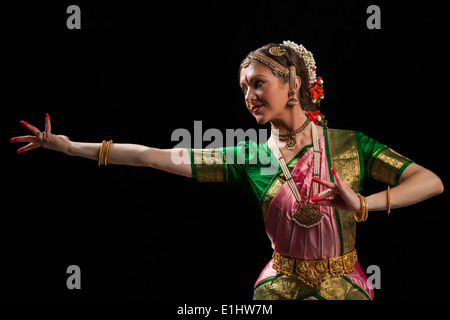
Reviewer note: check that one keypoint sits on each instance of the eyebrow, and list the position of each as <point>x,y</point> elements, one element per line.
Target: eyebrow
<point>256,75</point>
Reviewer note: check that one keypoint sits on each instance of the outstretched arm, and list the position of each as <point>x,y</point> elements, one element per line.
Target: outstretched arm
<point>119,153</point>
<point>136,155</point>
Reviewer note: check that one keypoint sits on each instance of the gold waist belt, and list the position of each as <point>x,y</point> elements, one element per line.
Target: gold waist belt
<point>313,272</point>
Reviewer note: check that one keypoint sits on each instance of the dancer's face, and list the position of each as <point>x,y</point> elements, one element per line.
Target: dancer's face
<point>266,96</point>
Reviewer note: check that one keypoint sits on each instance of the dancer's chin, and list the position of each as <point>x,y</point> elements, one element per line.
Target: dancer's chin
<point>261,119</point>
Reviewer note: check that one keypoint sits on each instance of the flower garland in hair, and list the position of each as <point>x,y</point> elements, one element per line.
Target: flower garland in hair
<point>317,92</point>
<point>307,57</point>
<point>316,83</point>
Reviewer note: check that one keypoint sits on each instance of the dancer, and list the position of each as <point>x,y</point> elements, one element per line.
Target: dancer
<point>313,199</point>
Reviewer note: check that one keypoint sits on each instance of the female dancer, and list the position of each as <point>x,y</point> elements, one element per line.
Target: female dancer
<point>312,201</point>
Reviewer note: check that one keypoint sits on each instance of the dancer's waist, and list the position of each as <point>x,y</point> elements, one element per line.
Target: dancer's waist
<point>313,272</point>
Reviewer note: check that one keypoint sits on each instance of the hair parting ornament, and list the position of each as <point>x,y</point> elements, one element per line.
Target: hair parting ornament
<point>272,64</point>
<point>315,85</point>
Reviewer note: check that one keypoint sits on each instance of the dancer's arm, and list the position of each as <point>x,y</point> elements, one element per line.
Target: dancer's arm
<point>416,184</point>
<point>136,155</point>
<point>123,154</point>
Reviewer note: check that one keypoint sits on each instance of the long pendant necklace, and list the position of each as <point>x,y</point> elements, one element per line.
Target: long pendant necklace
<point>307,214</point>
<point>290,136</point>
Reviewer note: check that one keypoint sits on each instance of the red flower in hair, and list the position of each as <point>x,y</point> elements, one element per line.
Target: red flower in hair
<point>317,90</point>
<point>317,118</point>
<point>312,115</point>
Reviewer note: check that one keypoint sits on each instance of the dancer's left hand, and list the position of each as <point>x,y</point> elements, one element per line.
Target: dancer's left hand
<point>344,197</point>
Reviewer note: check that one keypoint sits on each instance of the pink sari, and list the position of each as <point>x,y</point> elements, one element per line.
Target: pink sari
<point>290,239</point>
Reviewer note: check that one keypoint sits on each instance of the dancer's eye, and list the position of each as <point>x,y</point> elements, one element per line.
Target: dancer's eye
<point>259,83</point>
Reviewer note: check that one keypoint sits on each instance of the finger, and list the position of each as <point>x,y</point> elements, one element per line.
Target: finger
<point>48,126</point>
<point>33,129</point>
<point>323,195</point>
<point>343,188</point>
<point>327,184</point>
<point>28,147</point>
<point>25,139</point>
<point>337,178</point>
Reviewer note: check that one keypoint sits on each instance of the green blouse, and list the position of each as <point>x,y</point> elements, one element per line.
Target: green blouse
<point>254,166</point>
<point>353,154</point>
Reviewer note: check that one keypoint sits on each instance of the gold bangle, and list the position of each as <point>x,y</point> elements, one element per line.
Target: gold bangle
<point>103,153</point>
<point>389,200</point>
<point>108,146</point>
<point>100,154</point>
<point>366,210</point>
<point>358,214</point>
<point>364,213</point>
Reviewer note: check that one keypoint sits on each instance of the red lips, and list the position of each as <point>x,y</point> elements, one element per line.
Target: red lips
<point>256,107</point>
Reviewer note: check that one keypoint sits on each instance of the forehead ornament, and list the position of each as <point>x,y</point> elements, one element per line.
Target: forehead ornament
<point>277,51</point>
<point>272,64</point>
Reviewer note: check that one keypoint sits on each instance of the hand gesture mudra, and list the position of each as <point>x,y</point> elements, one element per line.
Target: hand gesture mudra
<point>344,197</point>
<point>45,139</point>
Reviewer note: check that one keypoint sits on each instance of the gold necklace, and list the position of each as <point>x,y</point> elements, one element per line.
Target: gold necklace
<point>290,136</point>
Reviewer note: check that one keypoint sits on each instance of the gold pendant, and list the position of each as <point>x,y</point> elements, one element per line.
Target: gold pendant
<point>291,143</point>
<point>308,215</point>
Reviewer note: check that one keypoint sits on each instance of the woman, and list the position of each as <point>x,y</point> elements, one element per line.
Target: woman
<point>311,201</point>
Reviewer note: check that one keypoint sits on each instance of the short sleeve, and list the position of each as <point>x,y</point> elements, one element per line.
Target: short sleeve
<point>225,164</point>
<point>381,162</point>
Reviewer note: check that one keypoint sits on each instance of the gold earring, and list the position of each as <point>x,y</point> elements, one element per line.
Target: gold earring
<point>292,74</point>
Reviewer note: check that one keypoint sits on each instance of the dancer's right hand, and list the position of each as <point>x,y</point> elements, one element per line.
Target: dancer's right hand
<point>44,139</point>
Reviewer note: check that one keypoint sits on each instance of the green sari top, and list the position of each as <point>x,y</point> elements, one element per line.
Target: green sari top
<point>354,155</point>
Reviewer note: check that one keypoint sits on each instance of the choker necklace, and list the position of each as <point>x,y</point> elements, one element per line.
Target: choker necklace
<point>290,136</point>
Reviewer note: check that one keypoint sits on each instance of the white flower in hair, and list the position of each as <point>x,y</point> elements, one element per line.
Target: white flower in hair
<point>307,57</point>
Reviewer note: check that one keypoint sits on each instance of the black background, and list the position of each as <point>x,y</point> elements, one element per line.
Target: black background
<point>136,73</point>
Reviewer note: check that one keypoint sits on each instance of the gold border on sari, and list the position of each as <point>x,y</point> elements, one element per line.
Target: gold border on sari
<point>313,272</point>
<point>386,165</point>
<point>209,165</point>
<point>286,287</point>
<point>344,157</point>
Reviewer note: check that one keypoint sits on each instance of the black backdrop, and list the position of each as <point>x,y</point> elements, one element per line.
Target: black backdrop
<point>136,73</point>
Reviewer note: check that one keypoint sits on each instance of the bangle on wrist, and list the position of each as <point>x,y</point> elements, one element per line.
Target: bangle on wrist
<point>364,213</point>
<point>388,200</point>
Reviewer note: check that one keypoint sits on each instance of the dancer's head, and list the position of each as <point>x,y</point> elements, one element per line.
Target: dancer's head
<point>276,77</point>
